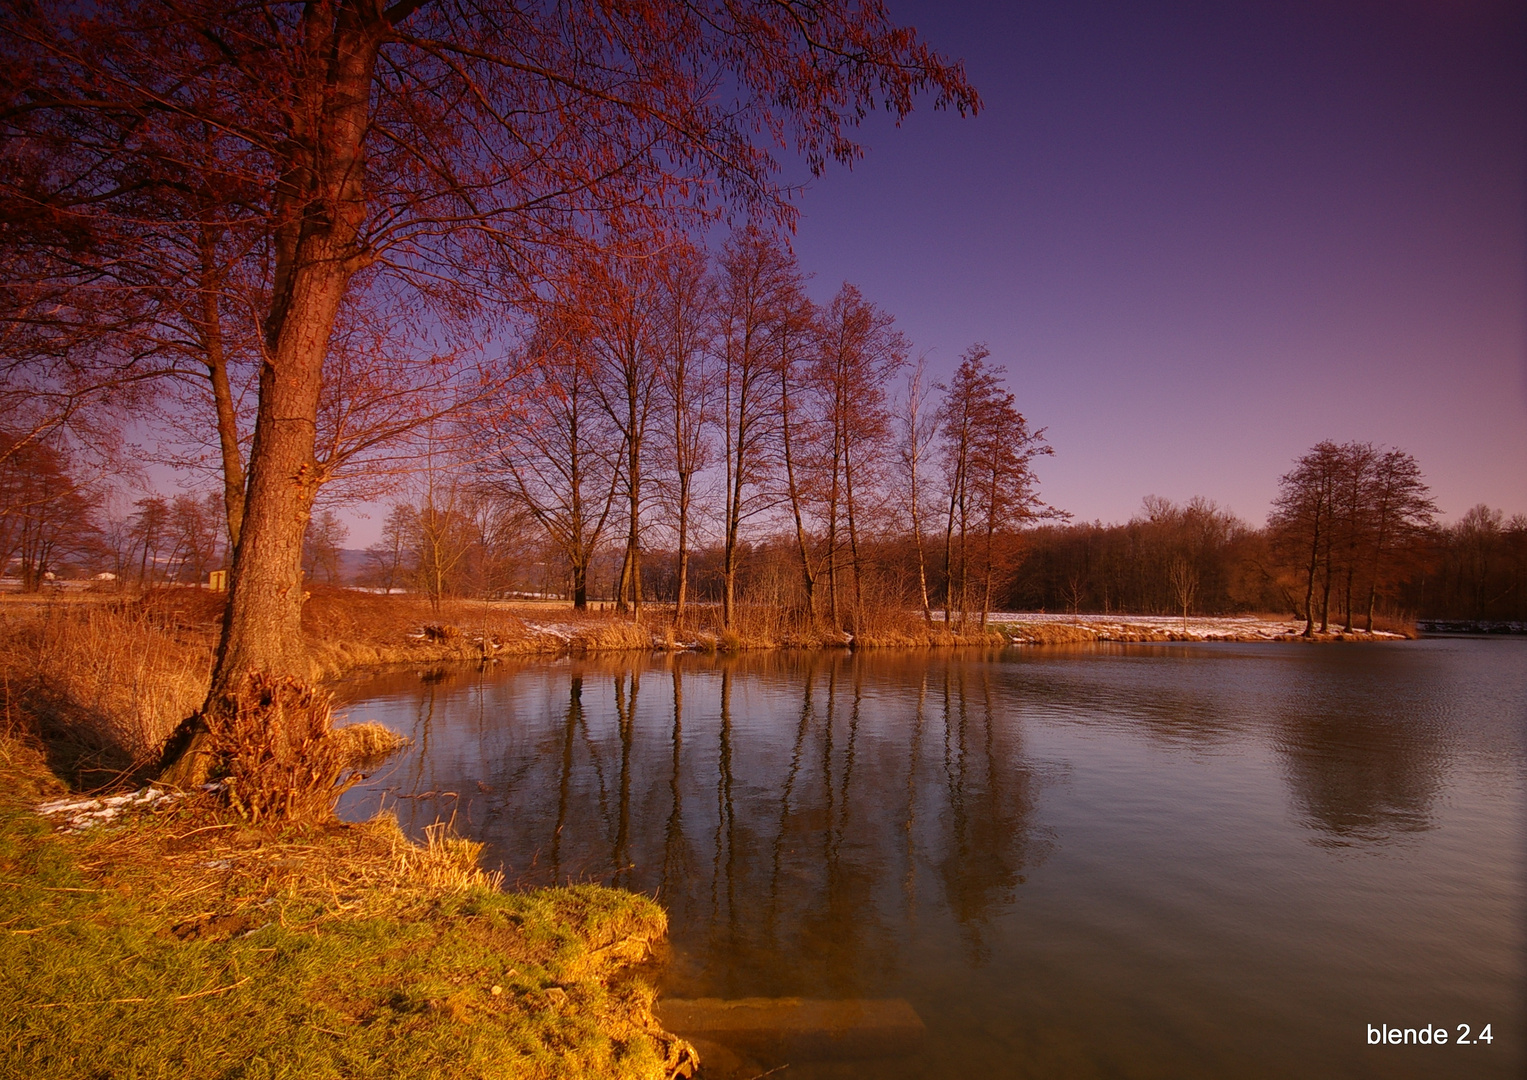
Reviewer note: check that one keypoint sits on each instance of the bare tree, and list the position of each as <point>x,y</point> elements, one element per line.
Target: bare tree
<point>1007,497</point>
<point>555,453</point>
<point>1352,519</point>
<point>1400,510</point>
<point>685,329</point>
<point>1304,520</point>
<point>46,513</point>
<point>799,430</point>
<point>150,531</point>
<point>1183,577</point>
<point>916,435</point>
<point>618,300</point>
<point>322,545</point>
<point>195,525</point>
<point>958,421</point>
<point>989,479</point>
<point>444,537</point>
<point>390,558</point>
<point>759,287</point>
<point>861,353</point>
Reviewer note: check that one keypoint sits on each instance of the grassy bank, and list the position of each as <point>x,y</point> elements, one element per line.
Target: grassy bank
<point>180,942</point>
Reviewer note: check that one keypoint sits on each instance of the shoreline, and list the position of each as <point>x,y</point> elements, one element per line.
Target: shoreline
<point>1004,629</point>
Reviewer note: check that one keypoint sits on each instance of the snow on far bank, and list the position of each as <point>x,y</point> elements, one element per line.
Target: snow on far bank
<point>1166,628</point>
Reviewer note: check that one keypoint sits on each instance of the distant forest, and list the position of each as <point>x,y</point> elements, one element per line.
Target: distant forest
<point>1352,538</point>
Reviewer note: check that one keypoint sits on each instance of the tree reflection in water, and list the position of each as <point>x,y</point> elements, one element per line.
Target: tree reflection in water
<point>783,808</point>
<point>1361,770</point>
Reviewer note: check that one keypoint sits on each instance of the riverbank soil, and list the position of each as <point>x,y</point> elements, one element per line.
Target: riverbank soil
<point>177,940</point>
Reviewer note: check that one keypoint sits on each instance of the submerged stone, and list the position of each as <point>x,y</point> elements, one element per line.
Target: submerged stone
<point>802,1029</point>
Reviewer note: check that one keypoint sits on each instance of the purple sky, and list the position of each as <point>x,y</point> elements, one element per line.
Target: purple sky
<point>1203,237</point>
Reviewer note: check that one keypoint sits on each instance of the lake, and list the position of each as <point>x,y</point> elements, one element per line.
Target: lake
<point>1122,861</point>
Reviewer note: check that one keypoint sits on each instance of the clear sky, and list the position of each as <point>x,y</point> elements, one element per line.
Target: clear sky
<point>1204,236</point>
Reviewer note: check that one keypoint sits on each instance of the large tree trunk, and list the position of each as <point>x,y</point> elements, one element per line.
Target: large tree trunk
<point>321,205</point>
<point>262,625</point>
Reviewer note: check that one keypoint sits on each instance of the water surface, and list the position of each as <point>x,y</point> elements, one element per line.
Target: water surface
<point>1120,861</point>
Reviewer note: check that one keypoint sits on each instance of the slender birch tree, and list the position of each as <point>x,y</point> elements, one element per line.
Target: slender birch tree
<point>685,327</point>
<point>861,353</point>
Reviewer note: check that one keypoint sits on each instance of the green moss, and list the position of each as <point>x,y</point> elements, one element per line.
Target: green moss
<point>96,980</point>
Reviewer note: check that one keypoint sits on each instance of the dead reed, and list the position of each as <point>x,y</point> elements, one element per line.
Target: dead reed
<point>367,744</point>
<point>613,635</point>
<point>110,679</point>
<point>270,739</point>
<point>1048,633</point>
<point>444,862</point>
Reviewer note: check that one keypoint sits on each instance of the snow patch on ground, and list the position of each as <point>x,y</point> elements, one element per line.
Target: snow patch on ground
<point>76,815</point>
<point>560,631</point>
<point>79,814</point>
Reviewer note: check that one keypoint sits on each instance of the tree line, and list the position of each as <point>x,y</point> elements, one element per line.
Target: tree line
<point>1352,537</point>
<point>675,401</point>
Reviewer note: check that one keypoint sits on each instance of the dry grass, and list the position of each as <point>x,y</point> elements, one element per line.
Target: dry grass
<point>612,634</point>
<point>108,680</point>
<point>1391,624</point>
<point>905,628</point>
<point>367,744</point>
<point>347,630</point>
<point>1048,633</point>
<point>444,862</point>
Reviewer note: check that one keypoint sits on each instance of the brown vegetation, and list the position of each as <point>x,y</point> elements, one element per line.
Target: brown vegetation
<point>271,745</point>
<point>109,679</point>
<point>153,912</point>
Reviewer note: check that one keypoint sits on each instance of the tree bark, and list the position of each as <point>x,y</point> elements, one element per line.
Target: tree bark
<point>222,392</point>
